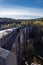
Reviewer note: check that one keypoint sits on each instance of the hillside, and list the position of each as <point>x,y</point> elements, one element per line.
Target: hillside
<point>9,20</point>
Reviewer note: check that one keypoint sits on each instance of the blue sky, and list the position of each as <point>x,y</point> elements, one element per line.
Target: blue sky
<point>22,9</point>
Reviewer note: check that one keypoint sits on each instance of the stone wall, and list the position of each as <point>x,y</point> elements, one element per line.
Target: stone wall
<point>7,58</point>
<point>16,43</point>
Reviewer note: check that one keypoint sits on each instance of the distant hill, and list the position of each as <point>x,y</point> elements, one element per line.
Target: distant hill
<point>41,19</point>
<point>6,20</point>
<point>9,20</point>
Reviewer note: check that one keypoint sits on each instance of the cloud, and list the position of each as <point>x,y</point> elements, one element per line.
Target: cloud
<point>18,13</point>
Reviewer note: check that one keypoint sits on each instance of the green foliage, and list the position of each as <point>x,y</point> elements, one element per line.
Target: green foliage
<point>17,23</point>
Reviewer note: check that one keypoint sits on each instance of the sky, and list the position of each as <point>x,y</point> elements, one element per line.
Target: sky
<point>21,9</point>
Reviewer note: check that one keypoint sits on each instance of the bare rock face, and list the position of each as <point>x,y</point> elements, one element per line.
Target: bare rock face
<point>7,58</point>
